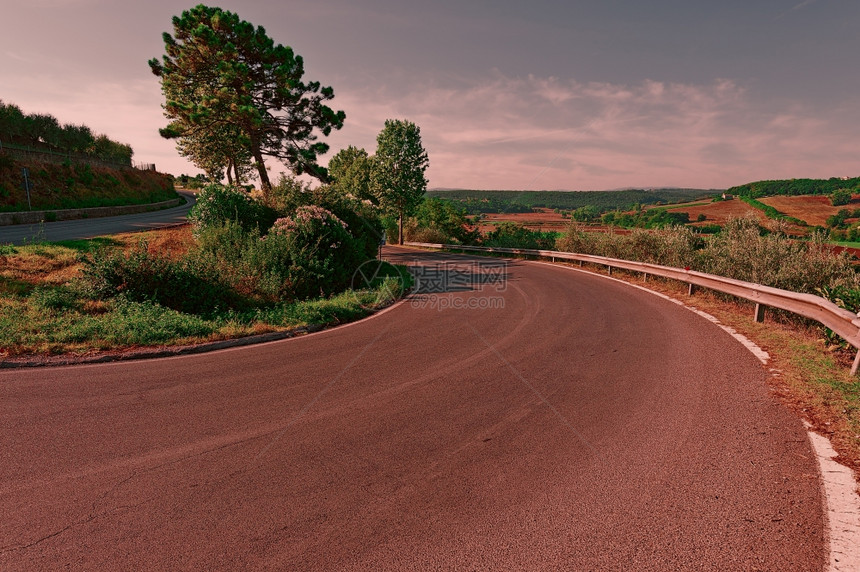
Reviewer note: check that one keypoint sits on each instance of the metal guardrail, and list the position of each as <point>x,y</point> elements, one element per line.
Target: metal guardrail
<point>843,322</point>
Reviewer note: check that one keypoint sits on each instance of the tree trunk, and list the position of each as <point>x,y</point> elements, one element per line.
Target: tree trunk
<point>236,170</point>
<point>265,184</point>
<point>229,176</point>
<point>400,228</point>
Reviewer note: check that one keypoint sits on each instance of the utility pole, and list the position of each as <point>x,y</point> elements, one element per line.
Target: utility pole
<point>27,186</point>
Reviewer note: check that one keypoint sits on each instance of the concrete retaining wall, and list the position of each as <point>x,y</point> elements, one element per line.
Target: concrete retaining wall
<point>35,217</point>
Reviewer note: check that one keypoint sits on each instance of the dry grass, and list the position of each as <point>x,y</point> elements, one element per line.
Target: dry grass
<point>812,209</point>
<point>59,263</point>
<point>721,212</point>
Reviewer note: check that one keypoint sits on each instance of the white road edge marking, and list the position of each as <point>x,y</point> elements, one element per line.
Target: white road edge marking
<point>841,497</point>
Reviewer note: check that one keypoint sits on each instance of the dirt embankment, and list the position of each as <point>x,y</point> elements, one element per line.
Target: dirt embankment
<point>77,185</point>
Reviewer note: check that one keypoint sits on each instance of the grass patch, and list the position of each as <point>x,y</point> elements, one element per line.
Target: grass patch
<point>45,308</point>
<point>681,207</point>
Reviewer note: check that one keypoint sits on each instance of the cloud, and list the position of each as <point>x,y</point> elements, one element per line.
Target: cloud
<point>803,4</point>
<point>796,7</point>
<point>532,132</point>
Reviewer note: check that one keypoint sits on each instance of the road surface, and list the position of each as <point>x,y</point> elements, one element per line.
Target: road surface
<point>90,227</point>
<point>514,416</point>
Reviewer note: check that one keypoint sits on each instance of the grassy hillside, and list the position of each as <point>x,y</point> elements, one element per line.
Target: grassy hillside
<point>66,185</point>
<point>524,201</point>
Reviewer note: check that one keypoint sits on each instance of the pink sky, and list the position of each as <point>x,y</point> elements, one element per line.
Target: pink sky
<point>506,98</point>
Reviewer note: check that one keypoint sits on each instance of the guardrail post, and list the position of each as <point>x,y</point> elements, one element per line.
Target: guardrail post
<point>644,277</point>
<point>691,289</point>
<point>856,364</point>
<point>609,268</point>
<point>759,313</point>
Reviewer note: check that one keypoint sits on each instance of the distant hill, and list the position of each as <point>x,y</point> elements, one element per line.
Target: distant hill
<point>794,187</point>
<point>524,201</point>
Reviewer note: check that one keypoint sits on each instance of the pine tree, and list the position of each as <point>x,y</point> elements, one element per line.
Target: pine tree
<point>221,75</point>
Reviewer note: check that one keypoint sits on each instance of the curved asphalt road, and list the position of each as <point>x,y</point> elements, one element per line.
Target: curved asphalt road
<point>90,227</point>
<point>584,425</point>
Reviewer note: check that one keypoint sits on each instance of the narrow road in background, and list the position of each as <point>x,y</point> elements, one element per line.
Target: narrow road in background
<point>509,416</point>
<point>90,227</point>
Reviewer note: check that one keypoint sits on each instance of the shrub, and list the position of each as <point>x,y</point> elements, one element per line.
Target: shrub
<point>187,285</point>
<point>84,174</point>
<point>743,251</point>
<point>414,233</point>
<point>217,204</point>
<point>440,221</point>
<point>511,235</point>
<point>323,254</point>
<point>361,217</point>
<point>253,267</point>
<point>846,298</point>
<point>840,197</point>
<point>674,246</point>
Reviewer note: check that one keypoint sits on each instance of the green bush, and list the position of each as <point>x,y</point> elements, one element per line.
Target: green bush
<point>742,250</point>
<point>361,217</point>
<point>511,235</point>
<point>323,253</point>
<point>840,197</point>
<point>414,233</point>
<point>188,285</point>
<point>308,254</point>
<point>440,221</point>
<point>675,246</point>
<point>217,204</point>
<point>255,268</point>
<point>845,297</point>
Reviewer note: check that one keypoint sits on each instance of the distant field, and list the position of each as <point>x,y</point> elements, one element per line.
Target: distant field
<point>719,212</point>
<point>521,201</point>
<point>544,219</point>
<point>813,209</point>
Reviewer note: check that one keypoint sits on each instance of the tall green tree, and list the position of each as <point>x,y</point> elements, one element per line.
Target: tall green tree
<point>398,175</point>
<point>220,71</point>
<point>350,172</point>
